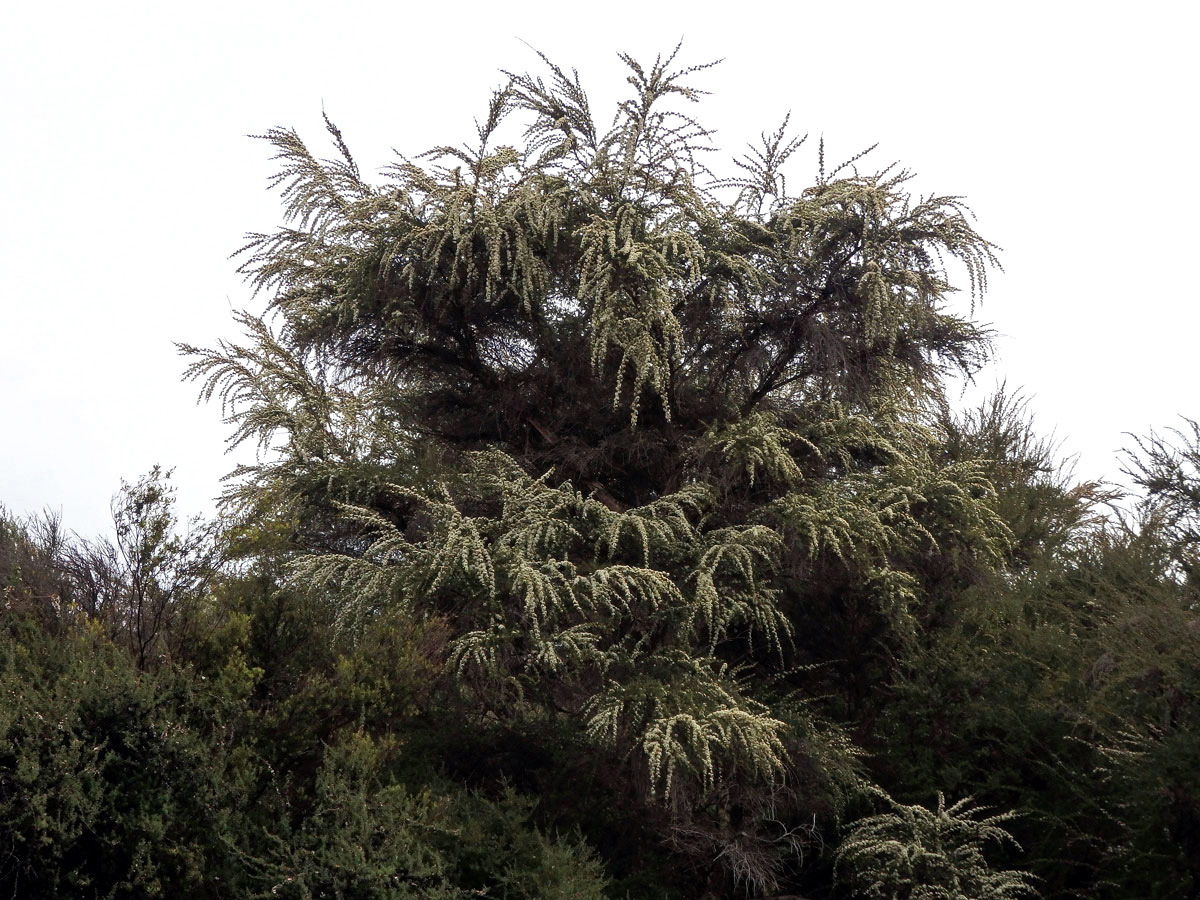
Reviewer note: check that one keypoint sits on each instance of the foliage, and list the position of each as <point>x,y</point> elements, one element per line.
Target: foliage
<point>617,431</point>
<point>612,535</point>
<point>1168,471</point>
<point>1062,688</point>
<point>913,852</point>
<point>364,838</point>
<point>113,783</point>
<point>241,782</point>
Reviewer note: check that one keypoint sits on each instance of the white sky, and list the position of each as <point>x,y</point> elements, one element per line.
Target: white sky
<point>126,180</point>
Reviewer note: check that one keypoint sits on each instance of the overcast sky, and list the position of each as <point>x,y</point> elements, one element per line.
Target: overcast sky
<point>127,179</point>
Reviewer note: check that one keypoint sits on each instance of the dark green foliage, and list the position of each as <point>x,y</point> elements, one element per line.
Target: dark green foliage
<point>112,782</point>
<point>365,838</point>
<point>1168,471</point>
<point>1064,688</point>
<point>245,765</point>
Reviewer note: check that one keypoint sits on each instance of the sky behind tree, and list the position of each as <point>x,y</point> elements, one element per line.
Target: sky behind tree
<point>128,180</point>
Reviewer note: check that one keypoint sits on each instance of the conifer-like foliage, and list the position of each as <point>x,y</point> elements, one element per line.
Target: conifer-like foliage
<point>914,852</point>
<point>613,536</point>
<point>657,445</point>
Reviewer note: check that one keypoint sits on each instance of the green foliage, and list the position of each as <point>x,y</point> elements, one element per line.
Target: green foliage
<point>1168,470</point>
<point>247,772</point>
<point>1062,686</point>
<point>611,535</point>
<point>631,433</point>
<point>547,590</point>
<point>914,852</point>
<point>365,838</point>
<point>113,783</point>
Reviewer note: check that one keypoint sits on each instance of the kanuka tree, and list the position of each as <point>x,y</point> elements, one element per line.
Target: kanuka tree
<point>658,449</point>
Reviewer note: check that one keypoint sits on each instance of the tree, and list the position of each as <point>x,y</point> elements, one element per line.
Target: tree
<point>143,587</point>
<point>1061,685</point>
<point>241,763</point>
<point>660,449</point>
